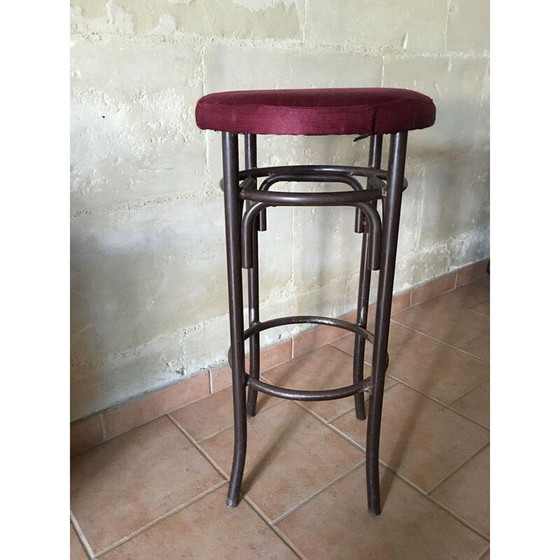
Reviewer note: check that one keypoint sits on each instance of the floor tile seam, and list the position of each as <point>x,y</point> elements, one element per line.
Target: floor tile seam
<point>220,431</point>
<point>444,343</point>
<point>327,343</point>
<point>470,391</point>
<point>461,520</point>
<point>458,468</point>
<point>483,555</point>
<point>325,423</point>
<point>441,403</point>
<point>274,529</point>
<point>469,418</point>
<point>366,395</point>
<point>440,298</point>
<point>82,537</point>
<point>199,448</point>
<point>395,472</point>
<point>423,493</point>
<point>312,496</point>
<point>160,519</point>
<point>128,430</point>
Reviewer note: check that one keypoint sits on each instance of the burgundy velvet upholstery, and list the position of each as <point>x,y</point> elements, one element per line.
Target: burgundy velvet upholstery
<point>316,111</point>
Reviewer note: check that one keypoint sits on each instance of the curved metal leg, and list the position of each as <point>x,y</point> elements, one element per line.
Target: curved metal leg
<point>235,296</point>
<point>374,160</point>
<point>391,218</point>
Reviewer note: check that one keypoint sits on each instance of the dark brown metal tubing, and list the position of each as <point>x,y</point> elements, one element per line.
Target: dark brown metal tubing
<point>312,319</point>
<point>306,199</point>
<point>253,288</point>
<point>299,395</point>
<point>248,234</point>
<point>311,177</point>
<point>391,218</point>
<point>294,169</point>
<point>374,161</point>
<point>339,198</point>
<point>320,178</point>
<point>317,175</point>
<point>235,297</point>
<point>375,150</point>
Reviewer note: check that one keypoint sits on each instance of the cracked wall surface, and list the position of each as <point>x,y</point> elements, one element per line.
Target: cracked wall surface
<point>149,303</point>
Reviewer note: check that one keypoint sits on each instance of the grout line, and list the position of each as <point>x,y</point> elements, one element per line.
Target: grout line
<point>316,493</point>
<point>161,518</point>
<point>483,555</point>
<point>460,306</point>
<point>469,391</point>
<point>437,401</point>
<point>469,418</point>
<point>103,429</point>
<point>81,536</point>
<point>446,343</point>
<point>244,497</point>
<point>457,517</point>
<point>406,480</point>
<point>277,531</point>
<point>460,466</point>
<point>448,407</point>
<point>333,428</point>
<point>432,500</point>
<point>200,449</point>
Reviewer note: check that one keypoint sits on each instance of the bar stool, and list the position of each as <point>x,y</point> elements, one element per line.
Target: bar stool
<point>248,194</point>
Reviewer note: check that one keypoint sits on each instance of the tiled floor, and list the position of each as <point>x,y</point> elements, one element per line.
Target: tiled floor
<point>158,491</point>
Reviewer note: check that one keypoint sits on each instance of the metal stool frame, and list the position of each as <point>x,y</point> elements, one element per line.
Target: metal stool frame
<point>379,247</point>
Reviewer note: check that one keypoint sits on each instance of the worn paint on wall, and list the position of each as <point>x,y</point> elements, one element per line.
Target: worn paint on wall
<point>149,303</point>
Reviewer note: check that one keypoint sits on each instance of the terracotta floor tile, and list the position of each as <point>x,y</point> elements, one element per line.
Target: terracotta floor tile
<point>448,323</point>
<point>324,368</point>
<point>142,410</point>
<point>397,335</point>
<point>432,288</point>
<point>290,456</point>
<point>435,369</point>
<point>77,551</point>
<point>207,417</point>
<point>430,367</point>
<point>476,271</point>
<point>480,346</point>
<point>420,439</point>
<point>336,525</point>
<point>476,404</point>
<point>468,296</point>
<point>125,483</point>
<point>206,530</point>
<point>85,433</point>
<point>314,338</point>
<point>467,492</point>
<point>483,308</point>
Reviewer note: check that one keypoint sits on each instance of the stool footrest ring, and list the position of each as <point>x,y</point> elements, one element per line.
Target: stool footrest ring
<point>298,395</point>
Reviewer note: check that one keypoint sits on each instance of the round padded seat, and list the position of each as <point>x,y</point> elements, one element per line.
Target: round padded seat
<point>316,111</point>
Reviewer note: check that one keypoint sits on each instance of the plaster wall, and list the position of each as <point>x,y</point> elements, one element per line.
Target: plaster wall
<point>149,303</point>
